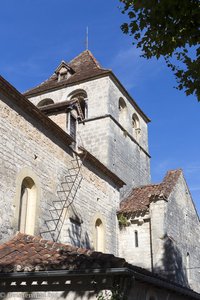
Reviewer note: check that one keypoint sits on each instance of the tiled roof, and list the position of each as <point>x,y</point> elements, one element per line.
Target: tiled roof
<point>25,253</point>
<point>30,253</point>
<point>139,198</point>
<point>84,66</point>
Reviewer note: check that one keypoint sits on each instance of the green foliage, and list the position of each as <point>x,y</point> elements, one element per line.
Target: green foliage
<point>123,221</point>
<point>168,28</point>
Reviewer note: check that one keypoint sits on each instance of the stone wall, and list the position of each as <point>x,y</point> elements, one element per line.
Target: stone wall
<point>108,142</point>
<point>28,150</point>
<point>97,93</point>
<point>141,255</point>
<point>114,144</point>
<point>183,229</point>
<point>115,93</point>
<point>176,236</point>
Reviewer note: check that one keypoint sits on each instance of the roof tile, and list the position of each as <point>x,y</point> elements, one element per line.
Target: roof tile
<point>28,253</point>
<point>85,66</point>
<point>139,198</point>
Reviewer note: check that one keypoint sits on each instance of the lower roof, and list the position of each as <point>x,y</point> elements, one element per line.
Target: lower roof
<point>25,256</point>
<point>140,197</point>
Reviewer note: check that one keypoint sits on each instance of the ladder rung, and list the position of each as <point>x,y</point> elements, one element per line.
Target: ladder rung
<point>47,231</point>
<point>52,220</point>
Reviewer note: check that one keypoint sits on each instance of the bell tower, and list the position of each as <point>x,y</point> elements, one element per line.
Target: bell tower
<point>91,104</point>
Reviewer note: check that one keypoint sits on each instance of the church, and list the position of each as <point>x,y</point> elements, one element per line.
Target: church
<point>80,217</point>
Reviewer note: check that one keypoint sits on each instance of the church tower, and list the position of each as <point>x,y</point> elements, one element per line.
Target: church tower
<point>91,104</point>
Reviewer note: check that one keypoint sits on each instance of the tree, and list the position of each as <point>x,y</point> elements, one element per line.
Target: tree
<point>169,29</point>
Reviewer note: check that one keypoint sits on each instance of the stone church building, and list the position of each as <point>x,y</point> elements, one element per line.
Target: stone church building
<point>79,214</point>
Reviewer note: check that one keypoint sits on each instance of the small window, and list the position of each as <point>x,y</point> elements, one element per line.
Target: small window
<point>122,104</point>
<point>72,126</point>
<point>122,112</point>
<point>27,209</point>
<point>136,126</point>
<point>45,102</point>
<point>99,232</point>
<point>136,239</point>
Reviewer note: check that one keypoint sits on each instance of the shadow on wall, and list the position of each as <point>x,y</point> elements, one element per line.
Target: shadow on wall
<point>172,263</point>
<point>76,237</point>
<point>66,195</point>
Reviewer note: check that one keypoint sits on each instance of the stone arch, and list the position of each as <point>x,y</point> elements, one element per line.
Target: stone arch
<point>99,233</point>
<point>27,206</point>
<point>26,202</point>
<point>81,95</point>
<point>136,126</point>
<point>99,228</point>
<point>46,101</point>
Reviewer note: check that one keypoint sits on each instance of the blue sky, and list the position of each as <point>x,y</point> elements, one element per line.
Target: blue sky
<point>36,35</point>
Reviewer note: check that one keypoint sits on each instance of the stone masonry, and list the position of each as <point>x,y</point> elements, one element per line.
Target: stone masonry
<point>46,159</point>
<point>114,144</point>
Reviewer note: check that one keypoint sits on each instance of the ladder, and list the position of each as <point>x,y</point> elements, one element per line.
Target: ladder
<point>66,195</point>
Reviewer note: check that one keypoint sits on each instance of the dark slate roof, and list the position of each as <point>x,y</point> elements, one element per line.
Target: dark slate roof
<point>139,198</point>
<point>32,253</point>
<point>84,66</point>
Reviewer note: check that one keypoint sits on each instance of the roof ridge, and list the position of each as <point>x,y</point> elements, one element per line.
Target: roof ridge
<point>140,197</point>
<point>170,180</point>
<point>147,185</point>
<point>160,183</point>
<point>94,59</point>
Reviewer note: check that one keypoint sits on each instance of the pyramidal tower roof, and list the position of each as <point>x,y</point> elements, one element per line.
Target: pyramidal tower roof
<point>82,67</point>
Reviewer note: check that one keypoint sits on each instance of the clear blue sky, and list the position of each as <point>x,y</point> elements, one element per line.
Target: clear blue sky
<point>35,35</point>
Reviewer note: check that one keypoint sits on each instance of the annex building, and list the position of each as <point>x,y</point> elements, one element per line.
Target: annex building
<point>79,214</point>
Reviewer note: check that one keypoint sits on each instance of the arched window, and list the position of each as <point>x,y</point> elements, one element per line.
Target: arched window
<point>122,112</point>
<point>81,96</point>
<point>44,102</point>
<point>27,207</point>
<point>136,126</point>
<point>99,236</point>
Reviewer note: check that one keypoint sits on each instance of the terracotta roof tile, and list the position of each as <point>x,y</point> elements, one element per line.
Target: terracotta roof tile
<point>15,257</point>
<point>29,253</point>
<point>84,66</point>
<point>139,198</point>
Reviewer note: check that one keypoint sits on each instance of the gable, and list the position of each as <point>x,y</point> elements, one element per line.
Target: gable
<point>181,199</point>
